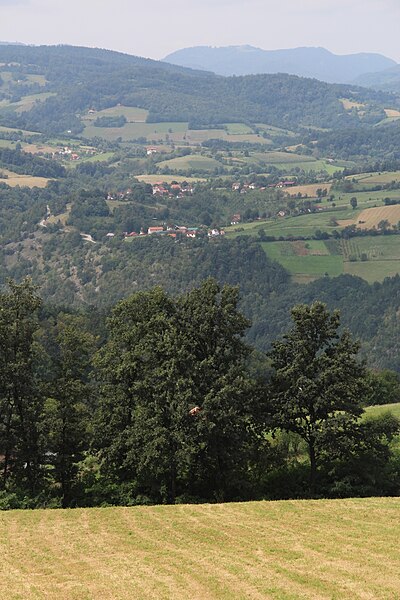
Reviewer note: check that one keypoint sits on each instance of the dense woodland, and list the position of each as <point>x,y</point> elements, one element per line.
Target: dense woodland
<point>162,401</point>
<point>82,78</point>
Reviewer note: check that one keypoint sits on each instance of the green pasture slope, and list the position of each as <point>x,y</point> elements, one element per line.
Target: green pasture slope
<point>310,550</point>
<point>371,257</point>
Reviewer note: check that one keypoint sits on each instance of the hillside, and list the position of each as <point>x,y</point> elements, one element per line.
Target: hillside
<point>317,63</point>
<point>388,80</point>
<point>58,85</point>
<point>297,549</point>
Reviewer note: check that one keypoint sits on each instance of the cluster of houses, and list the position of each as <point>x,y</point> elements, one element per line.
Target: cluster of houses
<point>243,188</point>
<point>175,231</point>
<point>67,152</point>
<point>173,190</point>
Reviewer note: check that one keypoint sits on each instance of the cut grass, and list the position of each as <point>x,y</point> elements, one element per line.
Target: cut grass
<point>14,179</point>
<point>192,161</point>
<point>279,550</point>
<point>316,262</point>
<point>153,179</point>
<point>371,217</point>
<point>132,114</point>
<point>132,131</point>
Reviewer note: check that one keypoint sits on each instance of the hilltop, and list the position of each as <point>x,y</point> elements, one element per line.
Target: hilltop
<point>316,63</point>
<point>297,549</point>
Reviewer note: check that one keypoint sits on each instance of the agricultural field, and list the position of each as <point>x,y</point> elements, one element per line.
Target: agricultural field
<point>28,102</point>
<point>305,260</point>
<point>376,178</point>
<point>191,162</point>
<point>130,131</point>
<point>13,130</point>
<point>132,114</point>
<point>351,104</point>
<point>153,179</point>
<point>371,217</point>
<point>14,179</point>
<point>315,550</point>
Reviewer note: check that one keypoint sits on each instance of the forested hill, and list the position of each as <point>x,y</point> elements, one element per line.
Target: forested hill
<point>77,79</point>
<point>305,62</point>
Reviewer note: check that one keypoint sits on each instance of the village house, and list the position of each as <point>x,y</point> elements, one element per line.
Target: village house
<point>153,230</point>
<point>235,220</point>
<point>151,150</point>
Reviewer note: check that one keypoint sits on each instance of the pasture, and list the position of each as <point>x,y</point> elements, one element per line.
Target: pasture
<point>191,162</point>
<point>131,131</point>
<point>376,178</point>
<point>153,179</point>
<point>378,410</point>
<point>305,260</point>
<point>14,179</point>
<point>132,114</point>
<point>371,217</point>
<point>314,550</point>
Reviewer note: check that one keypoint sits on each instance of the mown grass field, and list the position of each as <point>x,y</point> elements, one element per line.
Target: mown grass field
<point>371,217</point>
<point>131,131</point>
<point>305,260</point>
<point>376,178</point>
<point>343,549</point>
<point>14,179</point>
<point>190,162</point>
<point>168,178</point>
<point>132,114</point>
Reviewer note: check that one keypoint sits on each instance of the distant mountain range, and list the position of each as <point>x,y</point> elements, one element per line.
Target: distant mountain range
<point>387,80</point>
<point>12,44</point>
<point>317,63</point>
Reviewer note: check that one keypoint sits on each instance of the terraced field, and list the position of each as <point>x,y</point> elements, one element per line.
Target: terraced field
<point>312,550</point>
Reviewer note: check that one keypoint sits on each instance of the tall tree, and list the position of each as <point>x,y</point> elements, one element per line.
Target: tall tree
<point>175,416</point>
<point>66,412</point>
<point>318,383</point>
<point>20,401</point>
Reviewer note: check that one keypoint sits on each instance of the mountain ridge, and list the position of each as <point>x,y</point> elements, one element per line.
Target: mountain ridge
<point>313,62</point>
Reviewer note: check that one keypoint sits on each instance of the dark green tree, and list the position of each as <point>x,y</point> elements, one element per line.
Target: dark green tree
<point>318,383</point>
<point>163,359</point>
<point>66,412</point>
<point>20,400</point>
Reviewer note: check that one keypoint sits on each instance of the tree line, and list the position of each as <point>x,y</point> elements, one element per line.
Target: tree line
<point>163,401</point>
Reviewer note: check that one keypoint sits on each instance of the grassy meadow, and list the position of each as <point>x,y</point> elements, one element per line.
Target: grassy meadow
<point>14,179</point>
<point>257,550</point>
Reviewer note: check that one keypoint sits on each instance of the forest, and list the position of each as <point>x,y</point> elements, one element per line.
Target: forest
<point>162,400</point>
<point>82,78</point>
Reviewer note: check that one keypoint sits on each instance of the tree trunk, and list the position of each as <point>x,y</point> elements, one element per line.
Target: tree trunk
<point>313,467</point>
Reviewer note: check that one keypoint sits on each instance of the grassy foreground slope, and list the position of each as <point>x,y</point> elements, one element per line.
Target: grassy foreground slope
<point>297,549</point>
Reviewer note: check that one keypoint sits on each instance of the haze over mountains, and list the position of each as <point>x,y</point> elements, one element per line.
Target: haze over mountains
<point>317,63</point>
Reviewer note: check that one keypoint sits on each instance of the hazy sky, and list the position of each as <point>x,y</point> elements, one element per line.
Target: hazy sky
<point>154,28</point>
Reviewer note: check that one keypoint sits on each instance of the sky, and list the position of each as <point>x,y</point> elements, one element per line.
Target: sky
<point>157,27</point>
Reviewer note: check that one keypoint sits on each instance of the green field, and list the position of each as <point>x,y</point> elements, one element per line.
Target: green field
<point>168,178</point>
<point>192,161</point>
<point>132,131</point>
<point>132,114</point>
<point>371,257</point>
<point>310,550</point>
<point>376,178</point>
<point>376,411</point>
<point>310,259</point>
